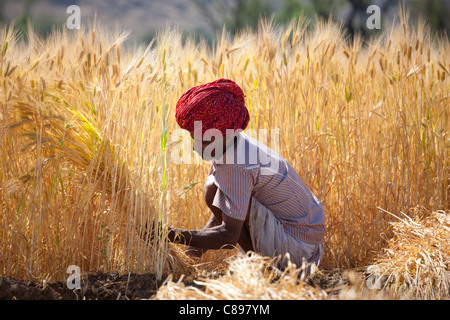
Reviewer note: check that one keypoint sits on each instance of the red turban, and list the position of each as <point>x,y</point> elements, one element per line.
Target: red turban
<point>218,105</point>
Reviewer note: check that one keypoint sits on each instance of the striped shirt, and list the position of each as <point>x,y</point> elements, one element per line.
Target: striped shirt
<point>251,169</point>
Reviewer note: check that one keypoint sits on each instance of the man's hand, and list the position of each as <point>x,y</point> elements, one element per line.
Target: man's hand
<point>216,235</point>
<point>224,235</point>
<point>150,231</point>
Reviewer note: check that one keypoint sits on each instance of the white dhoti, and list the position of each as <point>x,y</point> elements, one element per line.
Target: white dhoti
<point>270,239</point>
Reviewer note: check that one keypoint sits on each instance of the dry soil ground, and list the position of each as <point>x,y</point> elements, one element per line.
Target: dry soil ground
<point>99,286</point>
<point>102,286</point>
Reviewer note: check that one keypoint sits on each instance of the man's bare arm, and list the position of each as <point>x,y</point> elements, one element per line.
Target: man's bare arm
<point>222,235</point>
<point>194,252</point>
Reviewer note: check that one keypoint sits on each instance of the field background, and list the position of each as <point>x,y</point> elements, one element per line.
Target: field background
<point>87,122</point>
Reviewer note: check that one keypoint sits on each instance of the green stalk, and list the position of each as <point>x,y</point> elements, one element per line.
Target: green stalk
<point>163,145</point>
<point>162,200</point>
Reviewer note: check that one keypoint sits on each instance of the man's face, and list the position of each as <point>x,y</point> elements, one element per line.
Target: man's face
<point>210,148</point>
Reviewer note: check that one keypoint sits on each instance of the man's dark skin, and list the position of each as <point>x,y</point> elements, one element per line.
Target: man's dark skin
<point>220,231</point>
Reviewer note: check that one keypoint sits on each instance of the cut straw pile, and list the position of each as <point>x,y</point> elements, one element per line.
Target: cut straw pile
<point>252,277</point>
<point>247,278</point>
<point>417,259</point>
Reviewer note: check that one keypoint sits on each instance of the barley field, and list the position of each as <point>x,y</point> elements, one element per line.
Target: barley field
<point>89,143</point>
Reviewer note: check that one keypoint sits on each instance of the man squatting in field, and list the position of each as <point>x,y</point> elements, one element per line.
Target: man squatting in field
<point>256,198</point>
